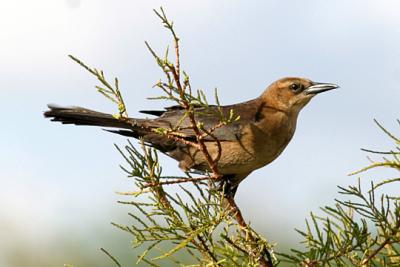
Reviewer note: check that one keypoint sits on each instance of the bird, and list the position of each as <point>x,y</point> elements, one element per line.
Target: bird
<point>265,128</point>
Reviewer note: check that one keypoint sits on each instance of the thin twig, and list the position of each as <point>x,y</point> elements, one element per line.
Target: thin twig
<point>208,250</point>
<point>111,257</point>
<point>386,131</point>
<point>177,181</point>
<point>227,239</point>
<point>379,152</point>
<point>378,164</point>
<point>385,242</point>
<point>245,229</point>
<point>158,190</point>
<point>172,135</point>
<point>219,147</point>
<point>212,129</point>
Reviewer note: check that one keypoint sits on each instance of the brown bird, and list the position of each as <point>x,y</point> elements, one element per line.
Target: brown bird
<point>266,126</point>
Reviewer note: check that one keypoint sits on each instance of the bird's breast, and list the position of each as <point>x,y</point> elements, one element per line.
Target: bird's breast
<point>270,137</point>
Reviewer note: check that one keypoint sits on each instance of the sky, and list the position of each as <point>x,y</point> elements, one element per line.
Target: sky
<point>59,182</point>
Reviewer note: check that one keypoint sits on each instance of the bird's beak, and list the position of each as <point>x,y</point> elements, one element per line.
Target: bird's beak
<point>317,88</point>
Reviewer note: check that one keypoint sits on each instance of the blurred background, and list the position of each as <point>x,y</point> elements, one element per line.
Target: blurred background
<point>58,183</point>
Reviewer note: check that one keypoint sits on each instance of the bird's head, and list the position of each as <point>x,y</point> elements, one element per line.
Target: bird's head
<point>292,94</point>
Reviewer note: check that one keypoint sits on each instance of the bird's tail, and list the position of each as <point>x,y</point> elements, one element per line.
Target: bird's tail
<point>83,116</point>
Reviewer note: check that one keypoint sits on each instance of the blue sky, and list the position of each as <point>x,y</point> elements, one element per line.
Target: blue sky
<point>61,179</point>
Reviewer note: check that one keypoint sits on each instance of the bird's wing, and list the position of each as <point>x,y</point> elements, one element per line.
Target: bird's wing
<point>174,118</point>
<point>159,113</point>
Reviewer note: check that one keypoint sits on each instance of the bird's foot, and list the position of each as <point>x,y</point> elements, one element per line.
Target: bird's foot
<point>228,188</point>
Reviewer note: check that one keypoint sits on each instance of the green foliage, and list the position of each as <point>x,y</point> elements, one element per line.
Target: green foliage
<point>175,90</point>
<point>199,226</point>
<point>192,222</point>
<point>363,230</point>
<point>112,93</point>
<point>201,221</point>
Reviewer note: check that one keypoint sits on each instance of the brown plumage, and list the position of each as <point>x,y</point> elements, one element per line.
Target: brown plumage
<point>266,126</point>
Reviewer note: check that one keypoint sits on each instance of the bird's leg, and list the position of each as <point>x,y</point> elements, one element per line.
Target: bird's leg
<point>228,187</point>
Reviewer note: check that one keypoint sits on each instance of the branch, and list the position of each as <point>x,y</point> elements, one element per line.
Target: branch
<point>212,163</point>
<point>108,91</point>
<point>384,243</point>
<point>111,257</point>
<point>176,181</point>
<point>190,226</point>
<point>343,235</point>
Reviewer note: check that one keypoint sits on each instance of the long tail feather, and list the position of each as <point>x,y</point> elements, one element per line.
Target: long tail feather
<point>83,116</point>
<point>131,127</point>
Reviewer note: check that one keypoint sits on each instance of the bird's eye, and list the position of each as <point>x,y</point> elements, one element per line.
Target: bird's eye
<point>295,87</point>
